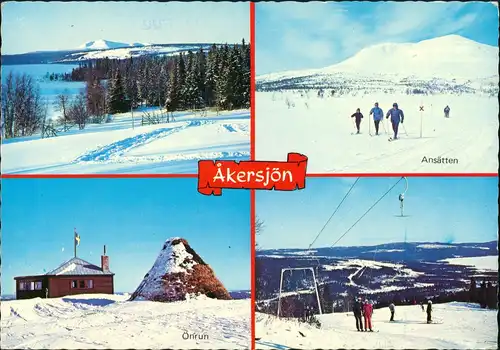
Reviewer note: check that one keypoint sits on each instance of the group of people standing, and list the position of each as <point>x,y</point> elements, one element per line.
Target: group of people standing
<point>396,115</point>
<point>363,310</point>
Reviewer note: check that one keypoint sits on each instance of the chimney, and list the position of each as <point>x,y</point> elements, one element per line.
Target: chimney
<point>105,261</point>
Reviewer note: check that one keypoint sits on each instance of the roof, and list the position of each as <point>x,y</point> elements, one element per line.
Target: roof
<point>74,267</point>
<point>78,267</point>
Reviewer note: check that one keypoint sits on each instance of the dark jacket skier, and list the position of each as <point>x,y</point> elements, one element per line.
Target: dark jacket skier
<point>397,116</point>
<point>358,117</point>
<point>391,308</point>
<point>429,311</point>
<point>378,115</point>
<point>357,314</point>
<point>447,112</point>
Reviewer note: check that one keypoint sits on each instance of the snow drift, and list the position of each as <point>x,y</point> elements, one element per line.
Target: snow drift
<point>102,321</point>
<point>177,273</point>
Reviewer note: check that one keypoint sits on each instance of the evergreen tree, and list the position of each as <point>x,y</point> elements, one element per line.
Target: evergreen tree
<point>211,75</point>
<point>172,100</point>
<point>190,88</point>
<point>181,81</point>
<point>116,95</point>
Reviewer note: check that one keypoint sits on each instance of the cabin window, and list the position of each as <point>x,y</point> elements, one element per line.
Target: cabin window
<point>82,284</point>
<point>32,285</point>
<point>38,285</point>
<point>22,286</point>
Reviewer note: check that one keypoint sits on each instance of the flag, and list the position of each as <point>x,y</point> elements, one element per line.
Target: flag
<point>77,238</point>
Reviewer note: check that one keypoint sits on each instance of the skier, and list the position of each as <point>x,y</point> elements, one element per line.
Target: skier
<point>391,307</point>
<point>46,293</point>
<point>397,116</point>
<point>422,306</point>
<point>429,311</point>
<point>378,115</point>
<point>358,117</point>
<point>357,314</point>
<point>367,313</point>
<point>447,111</point>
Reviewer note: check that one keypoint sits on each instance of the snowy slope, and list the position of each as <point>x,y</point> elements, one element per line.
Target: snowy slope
<point>321,128</point>
<point>458,326</point>
<point>120,147</point>
<point>99,321</point>
<point>480,263</point>
<point>103,44</point>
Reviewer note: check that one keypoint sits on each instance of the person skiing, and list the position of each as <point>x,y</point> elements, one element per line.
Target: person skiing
<point>367,313</point>
<point>378,115</point>
<point>429,311</point>
<point>422,306</point>
<point>358,117</point>
<point>391,307</point>
<point>46,293</point>
<point>397,116</point>
<point>357,314</point>
<point>447,111</point>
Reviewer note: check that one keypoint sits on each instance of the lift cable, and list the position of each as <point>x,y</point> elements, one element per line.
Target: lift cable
<point>366,212</point>
<point>335,211</point>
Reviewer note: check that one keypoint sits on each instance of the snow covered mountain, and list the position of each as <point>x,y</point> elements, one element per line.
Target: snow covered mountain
<point>103,44</point>
<point>450,62</point>
<point>177,273</point>
<point>99,49</point>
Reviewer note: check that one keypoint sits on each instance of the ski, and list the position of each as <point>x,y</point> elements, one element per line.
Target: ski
<point>273,345</point>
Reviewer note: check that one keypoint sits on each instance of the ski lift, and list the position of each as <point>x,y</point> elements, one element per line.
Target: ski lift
<point>402,196</point>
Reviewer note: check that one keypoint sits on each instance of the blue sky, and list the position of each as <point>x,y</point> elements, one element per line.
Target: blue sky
<point>293,35</point>
<point>439,209</point>
<point>34,26</point>
<point>132,217</point>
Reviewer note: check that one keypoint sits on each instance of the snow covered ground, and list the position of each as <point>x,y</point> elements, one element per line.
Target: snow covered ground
<point>322,130</point>
<point>118,147</point>
<point>99,321</point>
<point>482,263</point>
<point>457,326</point>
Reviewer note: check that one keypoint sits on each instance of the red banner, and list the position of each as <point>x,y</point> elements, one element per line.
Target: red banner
<point>213,176</point>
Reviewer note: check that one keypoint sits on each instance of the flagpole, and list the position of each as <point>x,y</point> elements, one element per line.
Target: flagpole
<point>74,241</point>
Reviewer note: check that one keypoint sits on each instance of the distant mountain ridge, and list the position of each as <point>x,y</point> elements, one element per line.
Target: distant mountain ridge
<point>100,49</point>
<point>450,62</point>
<point>385,271</point>
<point>103,44</point>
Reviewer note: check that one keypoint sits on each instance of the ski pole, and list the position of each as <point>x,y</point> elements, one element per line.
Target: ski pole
<point>383,125</point>
<point>404,129</point>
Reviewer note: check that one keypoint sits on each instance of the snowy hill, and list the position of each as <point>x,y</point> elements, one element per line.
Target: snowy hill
<point>177,273</point>
<point>100,321</point>
<point>101,49</point>
<point>450,63</point>
<point>102,44</point>
<point>457,326</point>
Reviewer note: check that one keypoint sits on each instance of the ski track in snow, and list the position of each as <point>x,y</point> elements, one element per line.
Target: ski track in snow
<point>457,326</point>
<point>104,321</point>
<point>117,147</point>
<point>116,150</point>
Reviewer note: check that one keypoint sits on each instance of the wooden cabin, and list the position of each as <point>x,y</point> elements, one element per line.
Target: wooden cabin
<point>75,276</point>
